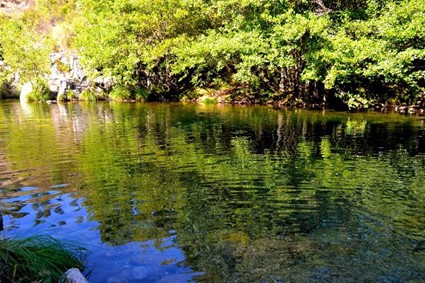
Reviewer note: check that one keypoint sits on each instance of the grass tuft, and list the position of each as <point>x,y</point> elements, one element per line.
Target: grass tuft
<point>39,258</point>
<point>87,95</point>
<point>40,91</point>
<point>120,93</point>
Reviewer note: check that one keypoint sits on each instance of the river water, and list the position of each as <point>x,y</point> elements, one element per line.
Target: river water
<point>173,193</point>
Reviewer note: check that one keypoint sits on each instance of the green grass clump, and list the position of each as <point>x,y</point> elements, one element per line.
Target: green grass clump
<point>87,95</point>
<point>61,97</point>
<point>120,93</point>
<point>40,91</point>
<point>67,96</point>
<point>38,258</point>
<point>208,100</point>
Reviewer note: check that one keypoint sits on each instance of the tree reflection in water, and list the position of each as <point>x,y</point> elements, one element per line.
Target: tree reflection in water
<point>246,193</point>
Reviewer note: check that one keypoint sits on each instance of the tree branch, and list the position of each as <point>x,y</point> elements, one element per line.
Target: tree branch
<point>322,9</point>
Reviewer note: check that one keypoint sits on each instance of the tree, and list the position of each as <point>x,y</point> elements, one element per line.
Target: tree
<point>379,59</point>
<point>25,49</point>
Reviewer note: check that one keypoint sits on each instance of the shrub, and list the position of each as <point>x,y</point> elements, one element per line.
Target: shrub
<point>141,94</point>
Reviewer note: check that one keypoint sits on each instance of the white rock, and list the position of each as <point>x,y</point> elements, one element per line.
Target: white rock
<point>26,90</point>
<point>74,275</point>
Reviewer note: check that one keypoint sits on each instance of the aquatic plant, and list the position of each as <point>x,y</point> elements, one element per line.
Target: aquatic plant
<point>39,258</point>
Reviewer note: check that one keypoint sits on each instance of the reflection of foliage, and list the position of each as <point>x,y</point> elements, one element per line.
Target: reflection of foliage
<point>249,191</point>
<point>354,127</point>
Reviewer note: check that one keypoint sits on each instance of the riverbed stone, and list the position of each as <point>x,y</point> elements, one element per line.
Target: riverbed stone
<point>74,275</point>
<point>139,273</point>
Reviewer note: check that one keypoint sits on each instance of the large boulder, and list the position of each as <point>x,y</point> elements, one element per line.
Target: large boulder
<point>26,91</point>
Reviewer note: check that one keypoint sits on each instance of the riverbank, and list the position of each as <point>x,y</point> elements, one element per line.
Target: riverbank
<point>307,54</point>
<point>218,98</point>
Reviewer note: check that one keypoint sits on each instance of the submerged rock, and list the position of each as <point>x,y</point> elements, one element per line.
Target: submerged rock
<point>139,273</point>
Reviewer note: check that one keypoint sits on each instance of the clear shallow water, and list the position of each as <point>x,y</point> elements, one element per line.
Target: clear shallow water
<point>170,193</point>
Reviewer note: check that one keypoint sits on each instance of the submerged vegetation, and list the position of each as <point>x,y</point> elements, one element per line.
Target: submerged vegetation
<point>38,258</point>
<point>294,52</point>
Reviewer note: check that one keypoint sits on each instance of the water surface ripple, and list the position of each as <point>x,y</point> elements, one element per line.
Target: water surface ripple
<point>173,193</point>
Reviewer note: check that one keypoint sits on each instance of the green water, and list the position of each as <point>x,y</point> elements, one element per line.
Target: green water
<point>219,194</point>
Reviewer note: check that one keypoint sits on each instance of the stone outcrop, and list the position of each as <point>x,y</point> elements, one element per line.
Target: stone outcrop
<point>14,6</point>
<point>66,75</point>
<point>66,81</point>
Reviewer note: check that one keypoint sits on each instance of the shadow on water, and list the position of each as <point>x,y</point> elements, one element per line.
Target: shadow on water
<point>219,194</point>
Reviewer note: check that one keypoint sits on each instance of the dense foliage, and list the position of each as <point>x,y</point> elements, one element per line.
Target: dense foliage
<point>293,51</point>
